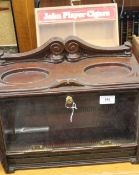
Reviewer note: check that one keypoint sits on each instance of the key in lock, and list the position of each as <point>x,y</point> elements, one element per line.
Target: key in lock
<point>70,104</point>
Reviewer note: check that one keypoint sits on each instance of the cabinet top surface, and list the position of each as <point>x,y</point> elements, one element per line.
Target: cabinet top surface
<point>69,65</point>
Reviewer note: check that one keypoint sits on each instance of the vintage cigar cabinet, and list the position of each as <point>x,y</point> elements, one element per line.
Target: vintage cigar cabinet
<point>69,103</point>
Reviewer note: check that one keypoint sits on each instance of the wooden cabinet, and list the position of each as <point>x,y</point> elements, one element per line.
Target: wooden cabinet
<point>54,3</point>
<point>48,3</point>
<point>69,103</point>
<point>129,3</point>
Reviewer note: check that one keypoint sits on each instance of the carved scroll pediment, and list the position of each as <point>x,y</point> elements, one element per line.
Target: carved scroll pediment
<point>77,49</point>
<point>52,51</point>
<point>72,49</point>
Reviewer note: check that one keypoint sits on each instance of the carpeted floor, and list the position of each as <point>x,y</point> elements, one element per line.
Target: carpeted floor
<point>108,169</point>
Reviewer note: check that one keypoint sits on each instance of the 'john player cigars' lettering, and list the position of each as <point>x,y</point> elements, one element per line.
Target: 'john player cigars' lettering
<point>89,13</point>
<point>70,15</point>
<point>50,15</point>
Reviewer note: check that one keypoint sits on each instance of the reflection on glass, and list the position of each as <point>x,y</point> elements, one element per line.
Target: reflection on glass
<point>7,30</point>
<point>43,123</point>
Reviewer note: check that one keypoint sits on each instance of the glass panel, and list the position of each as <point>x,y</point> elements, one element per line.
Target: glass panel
<point>43,122</point>
<point>7,30</point>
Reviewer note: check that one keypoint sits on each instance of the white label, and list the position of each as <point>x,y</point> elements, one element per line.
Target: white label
<point>109,99</point>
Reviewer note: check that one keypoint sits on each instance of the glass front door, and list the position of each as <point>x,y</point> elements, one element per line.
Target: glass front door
<point>46,122</point>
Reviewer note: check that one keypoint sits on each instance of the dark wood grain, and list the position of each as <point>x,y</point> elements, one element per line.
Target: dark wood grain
<point>49,3</point>
<point>35,125</point>
<point>54,3</point>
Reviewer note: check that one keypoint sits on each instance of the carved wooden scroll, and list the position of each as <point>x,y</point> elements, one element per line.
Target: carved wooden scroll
<point>72,49</point>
